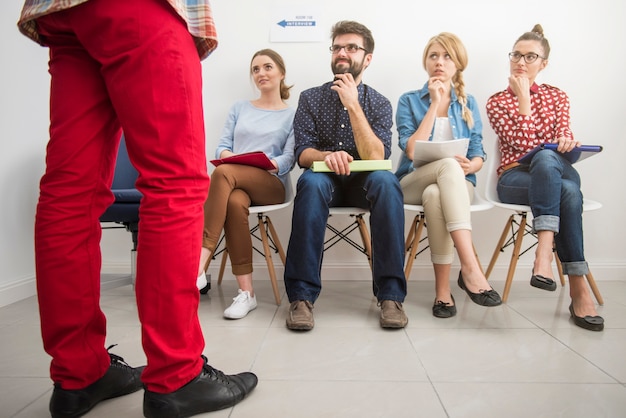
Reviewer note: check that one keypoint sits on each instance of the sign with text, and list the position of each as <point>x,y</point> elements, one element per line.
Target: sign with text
<point>295,24</point>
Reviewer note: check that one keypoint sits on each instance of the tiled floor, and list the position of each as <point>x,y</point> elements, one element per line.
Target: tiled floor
<point>522,359</point>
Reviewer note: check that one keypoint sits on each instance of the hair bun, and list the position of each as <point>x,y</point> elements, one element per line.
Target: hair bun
<point>538,30</point>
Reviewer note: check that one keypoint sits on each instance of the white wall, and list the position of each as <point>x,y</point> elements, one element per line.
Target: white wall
<point>587,61</point>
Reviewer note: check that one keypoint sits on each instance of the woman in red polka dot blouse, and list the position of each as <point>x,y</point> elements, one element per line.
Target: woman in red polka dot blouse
<point>524,116</point>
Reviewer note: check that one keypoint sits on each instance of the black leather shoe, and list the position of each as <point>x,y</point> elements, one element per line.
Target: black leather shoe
<point>592,323</point>
<point>444,309</point>
<point>484,298</point>
<point>542,282</point>
<point>211,390</point>
<point>119,380</point>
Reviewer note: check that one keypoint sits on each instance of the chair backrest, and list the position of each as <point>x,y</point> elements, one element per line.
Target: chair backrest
<point>125,174</point>
<point>289,195</point>
<point>493,161</point>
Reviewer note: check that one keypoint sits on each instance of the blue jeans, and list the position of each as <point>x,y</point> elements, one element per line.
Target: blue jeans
<point>551,187</point>
<point>378,191</point>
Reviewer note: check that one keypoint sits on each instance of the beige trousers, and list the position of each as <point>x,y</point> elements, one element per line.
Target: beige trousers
<point>446,195</point>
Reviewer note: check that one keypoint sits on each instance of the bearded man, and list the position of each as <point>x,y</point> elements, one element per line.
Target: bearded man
<point>338,122</point>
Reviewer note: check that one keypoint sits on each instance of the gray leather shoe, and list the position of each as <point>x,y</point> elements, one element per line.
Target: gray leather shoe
<point>392,314</point>
<point>300,316</point>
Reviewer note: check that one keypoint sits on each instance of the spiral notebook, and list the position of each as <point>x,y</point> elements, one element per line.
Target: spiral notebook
<point>574,156</point>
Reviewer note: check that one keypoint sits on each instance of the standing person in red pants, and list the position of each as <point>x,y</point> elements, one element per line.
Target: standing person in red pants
<point>133,66</point>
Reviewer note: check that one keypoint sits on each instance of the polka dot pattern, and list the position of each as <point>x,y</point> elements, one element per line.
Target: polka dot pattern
<point>323,123</point>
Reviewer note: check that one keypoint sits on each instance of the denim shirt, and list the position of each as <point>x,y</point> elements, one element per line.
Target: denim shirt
<point>412,107</point>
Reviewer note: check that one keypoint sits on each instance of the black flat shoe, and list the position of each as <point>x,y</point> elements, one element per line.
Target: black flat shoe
<point>444,309</point>
<point>592,323</point>
<point>542,282</point>
<point>484,297</point>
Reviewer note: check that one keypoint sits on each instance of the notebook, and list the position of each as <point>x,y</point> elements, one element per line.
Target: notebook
<point>574,156</point>
<point>255,159</point>
<point>356,165</point>
<point>428,151</point>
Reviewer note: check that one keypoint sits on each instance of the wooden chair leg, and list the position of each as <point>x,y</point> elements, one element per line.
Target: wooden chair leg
<point>268,258</point>
<point>594,288</point>
<point>588,276</point>
<point>411,234</point>
<point>222,266</point>
<point>274,236</point>
<point>515,256</point>
<point>411,245</point>
<point>559,268</point>
<point>365,237</point>
<point>478,259</point>
<point>498,249</point>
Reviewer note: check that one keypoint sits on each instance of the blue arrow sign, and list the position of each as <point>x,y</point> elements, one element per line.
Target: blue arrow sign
<point>285,23</point>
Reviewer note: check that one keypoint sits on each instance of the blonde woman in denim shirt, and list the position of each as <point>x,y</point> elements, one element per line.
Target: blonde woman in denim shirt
<point>439,111</point>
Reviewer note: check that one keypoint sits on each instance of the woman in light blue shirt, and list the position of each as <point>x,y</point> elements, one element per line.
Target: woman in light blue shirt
<point>440,111</point>
<point>264,124</point>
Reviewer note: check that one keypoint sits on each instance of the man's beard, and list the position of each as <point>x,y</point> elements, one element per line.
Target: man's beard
<point>353,68</point>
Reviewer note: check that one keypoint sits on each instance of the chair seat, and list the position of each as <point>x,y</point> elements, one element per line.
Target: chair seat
<point>121,213</point>
<point>588,205</point>
<point>127,195</point>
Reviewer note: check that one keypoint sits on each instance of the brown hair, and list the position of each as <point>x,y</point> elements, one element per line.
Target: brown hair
<point>536,34</point>
<point>345,27</point>
<point>455,48</point>
<point>275,56</point>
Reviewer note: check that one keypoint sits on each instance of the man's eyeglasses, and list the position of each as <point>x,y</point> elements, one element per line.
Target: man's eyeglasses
<point>350,48</point>
<point>528,58</point>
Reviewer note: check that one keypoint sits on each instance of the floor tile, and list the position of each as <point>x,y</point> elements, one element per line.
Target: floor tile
<point>523,358</point>
<point>537,400</point>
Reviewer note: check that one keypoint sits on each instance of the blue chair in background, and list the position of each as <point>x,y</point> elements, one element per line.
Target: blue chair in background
<point>125,209</point>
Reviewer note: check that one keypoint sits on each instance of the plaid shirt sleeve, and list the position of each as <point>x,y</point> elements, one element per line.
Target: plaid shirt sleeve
<point>196,13</point>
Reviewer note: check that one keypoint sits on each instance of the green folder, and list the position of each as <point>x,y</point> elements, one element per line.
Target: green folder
<point>356,165</point>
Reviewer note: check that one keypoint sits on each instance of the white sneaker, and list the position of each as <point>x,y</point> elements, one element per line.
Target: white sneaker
<point>242,304</point>
<point>201,281</point>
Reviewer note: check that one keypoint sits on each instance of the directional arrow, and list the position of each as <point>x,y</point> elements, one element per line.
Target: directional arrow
<point>285,23</point>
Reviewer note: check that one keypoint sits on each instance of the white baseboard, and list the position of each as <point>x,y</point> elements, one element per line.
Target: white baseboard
<point>420,271</point>
<point>25,288</point>
<point>118,274</point>
<point>17,290</point>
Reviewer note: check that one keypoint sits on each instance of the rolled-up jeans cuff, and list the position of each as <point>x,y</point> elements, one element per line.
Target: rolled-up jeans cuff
<point>546,223</point>
<point>575,268</point>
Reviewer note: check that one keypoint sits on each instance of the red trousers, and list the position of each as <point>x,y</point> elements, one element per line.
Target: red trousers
<point>122,65</point>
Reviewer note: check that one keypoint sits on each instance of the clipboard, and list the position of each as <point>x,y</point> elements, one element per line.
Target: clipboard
<point>425,152</point>
<point>574,156</point>
<point>254,159</point>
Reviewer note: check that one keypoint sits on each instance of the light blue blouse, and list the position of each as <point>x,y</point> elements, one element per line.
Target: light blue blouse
<point>249,128</point>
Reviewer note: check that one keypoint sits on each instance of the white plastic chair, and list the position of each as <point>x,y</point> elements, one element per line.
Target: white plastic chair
<point>517,227</point>
<point>414,236</point>
<point>266,235</point>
